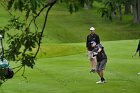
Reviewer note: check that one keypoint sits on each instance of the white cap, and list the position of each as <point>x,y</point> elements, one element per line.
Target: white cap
<point>92,28</point>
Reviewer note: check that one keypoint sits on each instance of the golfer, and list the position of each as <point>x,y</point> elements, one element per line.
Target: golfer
<point>100,54</point>
<point>90,38</point>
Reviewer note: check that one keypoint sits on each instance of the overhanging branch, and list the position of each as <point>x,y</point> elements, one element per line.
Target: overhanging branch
<point>45,21</point>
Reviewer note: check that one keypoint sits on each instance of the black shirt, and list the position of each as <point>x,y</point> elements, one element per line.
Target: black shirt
<point>138,48</point>
<point>101,55</point>
<point>90,38</point>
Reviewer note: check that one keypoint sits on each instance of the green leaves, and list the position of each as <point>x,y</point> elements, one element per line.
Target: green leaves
<point>15,23</point>
<point>10,3</point>
<point>28,60</point>
<point>29,6</point>
<point>21,47</point>
<point>109,10</point>
<point>13,51</point>
<point>24,42</point>
<point>112,8</point>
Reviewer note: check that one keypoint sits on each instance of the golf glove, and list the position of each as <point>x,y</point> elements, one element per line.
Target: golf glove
<point>95,53</point>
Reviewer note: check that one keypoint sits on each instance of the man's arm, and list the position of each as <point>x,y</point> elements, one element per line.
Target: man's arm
<point>87,41</point>
<point>98,39</point>
<point>95,53</point>
<point>99,50</point>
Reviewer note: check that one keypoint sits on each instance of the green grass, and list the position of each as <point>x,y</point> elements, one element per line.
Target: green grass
<point>63,27</point>
<point>56,50</point>
<point>70,74</point>
<point>63,66</point>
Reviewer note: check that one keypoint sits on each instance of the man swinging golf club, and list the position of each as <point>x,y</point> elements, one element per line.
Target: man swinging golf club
<point>100,54</point>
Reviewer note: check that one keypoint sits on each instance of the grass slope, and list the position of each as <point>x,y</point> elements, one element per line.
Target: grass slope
<point>70,74</point>
<point>62,27</point>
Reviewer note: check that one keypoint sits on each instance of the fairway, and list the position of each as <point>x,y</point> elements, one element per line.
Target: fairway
<point>70,73</point>
<point>61,64</point>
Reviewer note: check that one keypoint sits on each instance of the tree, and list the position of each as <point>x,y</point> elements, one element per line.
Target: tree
<point>21,44</point>
<point>114,7</point>
<point>74,5</point>
<point>88,4</point>
<point>136,10</point>
<point>127,6</point>
<point>108,11</point>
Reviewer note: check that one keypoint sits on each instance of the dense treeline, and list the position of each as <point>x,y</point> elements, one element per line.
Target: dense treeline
<point>110,9</point>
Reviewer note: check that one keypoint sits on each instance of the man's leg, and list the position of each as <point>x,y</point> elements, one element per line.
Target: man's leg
<point>92,61</point>
<point>100,73</point>
<point>93,64</point>
<point>100,68</point>
<point>102,80</point>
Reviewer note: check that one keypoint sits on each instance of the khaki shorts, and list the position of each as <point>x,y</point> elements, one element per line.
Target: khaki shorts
<point>90,54</point>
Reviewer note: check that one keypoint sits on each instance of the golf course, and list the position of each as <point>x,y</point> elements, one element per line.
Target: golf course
<point>62,64</point>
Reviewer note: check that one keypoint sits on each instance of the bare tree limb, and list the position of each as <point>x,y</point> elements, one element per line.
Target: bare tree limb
<point>46,17</point>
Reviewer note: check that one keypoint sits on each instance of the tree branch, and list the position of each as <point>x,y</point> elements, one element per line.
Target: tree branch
<point>46,17</point>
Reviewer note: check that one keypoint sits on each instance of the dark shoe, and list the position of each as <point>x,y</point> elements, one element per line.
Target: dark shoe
<point>93,70</point>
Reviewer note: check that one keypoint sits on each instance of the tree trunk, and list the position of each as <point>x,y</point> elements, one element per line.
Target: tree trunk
<point>120,12</point>
<point>88,4</point>
<point>82,2</point>
<point>139,11</point>
<point>136,11</point>
<point>127,8</point>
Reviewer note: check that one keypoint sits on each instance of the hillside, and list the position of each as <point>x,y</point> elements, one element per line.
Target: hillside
<point>63,27</point>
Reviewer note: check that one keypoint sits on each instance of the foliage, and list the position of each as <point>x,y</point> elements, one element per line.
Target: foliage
<point>111,8</point>
<point>108,10</point>
<point>21,44</point>
<point>74,5</point>
<point>24,40</point>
